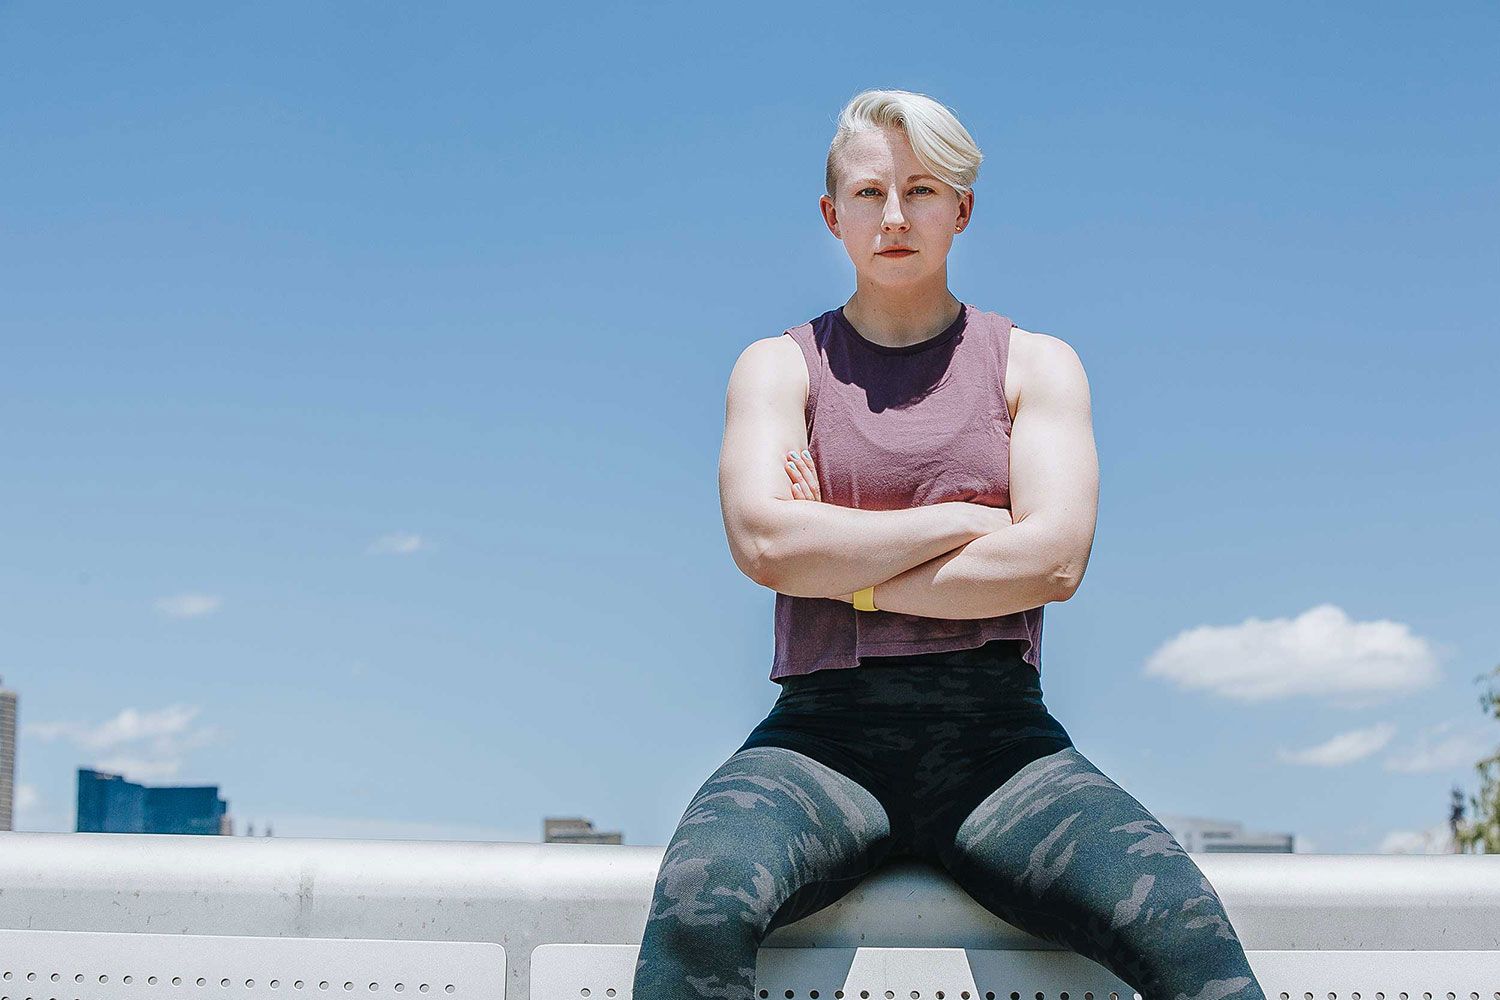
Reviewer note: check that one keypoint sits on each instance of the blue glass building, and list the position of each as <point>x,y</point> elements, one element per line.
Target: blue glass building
<point>107,803</point>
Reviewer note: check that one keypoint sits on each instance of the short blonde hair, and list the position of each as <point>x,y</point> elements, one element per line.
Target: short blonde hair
<point>941,144</point>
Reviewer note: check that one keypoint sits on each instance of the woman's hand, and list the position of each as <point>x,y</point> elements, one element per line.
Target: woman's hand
<point>799,469</point>
<point>993,518</point>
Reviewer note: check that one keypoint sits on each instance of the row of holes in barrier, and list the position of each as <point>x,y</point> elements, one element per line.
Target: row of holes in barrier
<point>790,994</point>
<point>249,983</point>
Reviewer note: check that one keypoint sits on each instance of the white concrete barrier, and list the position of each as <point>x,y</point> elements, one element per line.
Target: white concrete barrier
<point>143,916</point>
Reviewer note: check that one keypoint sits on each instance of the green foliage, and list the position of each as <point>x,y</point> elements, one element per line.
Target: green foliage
<point>1480,834</point>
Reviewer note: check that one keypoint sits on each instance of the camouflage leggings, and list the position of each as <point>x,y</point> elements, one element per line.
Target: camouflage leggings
<point>951,758</point>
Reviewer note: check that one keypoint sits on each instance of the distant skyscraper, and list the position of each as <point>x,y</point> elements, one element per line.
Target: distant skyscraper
<point>107,803</point>
<point>575,830</point>
<point>7,756</point>
<point>1199,835</point>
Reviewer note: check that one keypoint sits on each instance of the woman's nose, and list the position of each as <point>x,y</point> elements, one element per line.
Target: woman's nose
<point>894,218</point>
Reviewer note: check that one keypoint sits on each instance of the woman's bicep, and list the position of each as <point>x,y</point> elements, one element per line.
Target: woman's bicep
<point>764,418</point>
<point>1054,466</point>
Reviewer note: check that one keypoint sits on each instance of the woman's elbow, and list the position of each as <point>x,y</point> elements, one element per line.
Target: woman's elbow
<point>751,551</point>
<point>1065,578</point>
<point>761,568</point>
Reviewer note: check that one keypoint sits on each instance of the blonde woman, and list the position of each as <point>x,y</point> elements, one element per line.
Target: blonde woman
<point>916,479</point>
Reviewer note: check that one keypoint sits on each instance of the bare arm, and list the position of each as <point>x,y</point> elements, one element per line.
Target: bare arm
<point>1054,485</point>
<point>1054,496</point>
<point>869,543</point>
<point>804,549</point>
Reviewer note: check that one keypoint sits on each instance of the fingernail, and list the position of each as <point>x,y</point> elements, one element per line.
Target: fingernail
<point>807,455</point>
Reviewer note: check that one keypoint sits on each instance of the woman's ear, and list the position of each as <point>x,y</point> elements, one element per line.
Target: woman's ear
<point>965,210</point>
<point>830,215</point>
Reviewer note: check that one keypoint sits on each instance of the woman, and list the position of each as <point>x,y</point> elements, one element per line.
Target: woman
<point>916,477</point>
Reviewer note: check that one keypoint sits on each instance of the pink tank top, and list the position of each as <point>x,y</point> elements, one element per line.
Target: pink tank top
<point>897,427</point>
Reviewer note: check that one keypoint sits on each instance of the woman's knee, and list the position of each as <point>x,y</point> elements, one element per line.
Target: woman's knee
<point>1066,854</point>
<point>1059,837</point>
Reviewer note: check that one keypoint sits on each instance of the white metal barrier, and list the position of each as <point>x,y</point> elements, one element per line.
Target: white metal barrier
<point>143,917</point>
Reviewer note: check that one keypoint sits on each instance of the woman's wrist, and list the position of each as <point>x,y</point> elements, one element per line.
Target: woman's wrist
<point>980,519</point>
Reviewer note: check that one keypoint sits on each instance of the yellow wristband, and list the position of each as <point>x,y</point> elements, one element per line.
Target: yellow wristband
<point>864,600</point>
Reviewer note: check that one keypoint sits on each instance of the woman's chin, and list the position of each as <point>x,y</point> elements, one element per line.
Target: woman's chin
<point>893,277</point>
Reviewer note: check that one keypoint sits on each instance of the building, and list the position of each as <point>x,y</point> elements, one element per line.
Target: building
<point>107,803</point>
<point>7,756</point>
<point>1199,835</point>
<point>575,830</point>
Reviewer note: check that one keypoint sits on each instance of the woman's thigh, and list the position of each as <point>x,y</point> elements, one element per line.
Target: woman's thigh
<point>770,837</point>
<point>1067,855</point>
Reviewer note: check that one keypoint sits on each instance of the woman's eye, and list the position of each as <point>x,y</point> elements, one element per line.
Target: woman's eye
<point>922,187</point>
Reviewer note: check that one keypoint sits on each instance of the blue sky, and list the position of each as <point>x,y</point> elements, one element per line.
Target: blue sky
<point>364,381</point>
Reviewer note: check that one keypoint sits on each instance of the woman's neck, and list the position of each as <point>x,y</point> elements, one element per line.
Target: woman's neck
<point>899,317</point>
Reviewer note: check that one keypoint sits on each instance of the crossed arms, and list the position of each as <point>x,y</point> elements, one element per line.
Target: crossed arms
<point>946,560</point>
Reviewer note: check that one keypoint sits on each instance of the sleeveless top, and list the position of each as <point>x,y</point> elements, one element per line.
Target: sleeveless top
<point>897,427</point>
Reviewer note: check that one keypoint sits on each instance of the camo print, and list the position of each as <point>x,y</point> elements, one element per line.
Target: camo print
<point>1064,853</point>
<point>770,837</point>
<point>954,759</point>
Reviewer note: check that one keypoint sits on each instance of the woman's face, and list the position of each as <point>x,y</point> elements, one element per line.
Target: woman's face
<point>885,199</point>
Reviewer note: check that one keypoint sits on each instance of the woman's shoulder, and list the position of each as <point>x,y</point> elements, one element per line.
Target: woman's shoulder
<point>1040,348</point>
<point>1045,363</point>
<point>1021,338</point>
<point>1032,342</point>
<point>771,361</point>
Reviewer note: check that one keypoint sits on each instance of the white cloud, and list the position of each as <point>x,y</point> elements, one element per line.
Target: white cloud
<point>1345,748</point>
<point>1321,652</point>
<point>162,726</point>
<point>130,726</point>
<point>48,731</point>
<point>399,544</point>
<point>1436,839</point>
<point>1440,749</point>
<point>27,797</point>
<point>187,605</point>
<point>142,746</point>
<point>31,812</point>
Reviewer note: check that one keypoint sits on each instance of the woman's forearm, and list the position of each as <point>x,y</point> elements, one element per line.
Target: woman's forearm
<point>820,549</point>
<point>1000,573</point>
